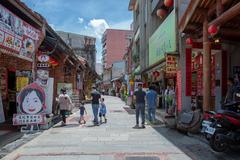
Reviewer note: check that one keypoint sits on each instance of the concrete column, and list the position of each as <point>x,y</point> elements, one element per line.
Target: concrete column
<point>206,68</point>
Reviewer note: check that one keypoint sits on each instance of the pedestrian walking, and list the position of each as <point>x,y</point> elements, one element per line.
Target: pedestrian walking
<point>95,104</point>
<point>140,96</point>
<point>65,105</point>
<point>103,111</point>
<point>82,111</point>
<point>151,98</point>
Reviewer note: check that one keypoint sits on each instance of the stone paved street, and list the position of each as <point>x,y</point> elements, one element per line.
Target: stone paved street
<point>116,140</point>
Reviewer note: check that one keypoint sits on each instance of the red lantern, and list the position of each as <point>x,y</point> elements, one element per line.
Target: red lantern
<point>161,13</point>
<point>168,3</point>
<point>189,41</point>
<point>213,29</point>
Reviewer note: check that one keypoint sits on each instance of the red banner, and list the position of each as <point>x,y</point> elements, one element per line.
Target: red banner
<point>188,72</point>
<point>179,91</point>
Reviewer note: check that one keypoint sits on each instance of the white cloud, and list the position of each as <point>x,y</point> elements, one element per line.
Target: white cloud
<point>121,25</point>
<point>80,20</point>
<point>99,26</point>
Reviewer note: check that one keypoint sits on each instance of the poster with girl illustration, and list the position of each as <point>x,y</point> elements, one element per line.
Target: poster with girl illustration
<point>31,100</point>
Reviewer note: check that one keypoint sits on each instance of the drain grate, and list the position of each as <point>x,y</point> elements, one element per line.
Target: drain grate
<point>129,110</point>
<point>142,158</point>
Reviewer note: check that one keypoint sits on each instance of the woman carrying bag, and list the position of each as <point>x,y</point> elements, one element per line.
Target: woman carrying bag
<point>65,105</point>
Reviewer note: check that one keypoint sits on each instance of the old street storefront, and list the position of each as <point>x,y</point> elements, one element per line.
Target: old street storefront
<point>58,67</point>
<point>162,56</point>
<point>19,39</point>
<point>209,52</point>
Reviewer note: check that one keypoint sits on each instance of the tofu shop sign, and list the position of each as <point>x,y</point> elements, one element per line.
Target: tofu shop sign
<point>163,40</point>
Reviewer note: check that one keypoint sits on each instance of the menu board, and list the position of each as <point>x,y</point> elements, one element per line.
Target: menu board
<point>17,35</point>
<point>3,83</point>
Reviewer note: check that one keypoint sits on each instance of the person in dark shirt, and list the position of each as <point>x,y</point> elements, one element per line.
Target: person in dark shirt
<point>95,104</point>
<point>82,111</point>
<point>140,105</point>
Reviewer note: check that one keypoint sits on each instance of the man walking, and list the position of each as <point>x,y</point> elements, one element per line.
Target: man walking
<point>151,104</point>
<point>95,104</point>
<point>140,105</point>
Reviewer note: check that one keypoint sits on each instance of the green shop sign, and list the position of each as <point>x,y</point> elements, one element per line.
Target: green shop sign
<point>163,40</point>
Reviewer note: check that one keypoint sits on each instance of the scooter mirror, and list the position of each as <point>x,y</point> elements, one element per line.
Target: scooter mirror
<point>238,94</point>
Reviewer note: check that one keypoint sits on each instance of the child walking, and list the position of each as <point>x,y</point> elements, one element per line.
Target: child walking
<point>82,111</point>
<point>103,111</point>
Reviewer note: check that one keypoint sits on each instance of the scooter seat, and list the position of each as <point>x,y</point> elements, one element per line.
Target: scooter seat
<point>230,113</point>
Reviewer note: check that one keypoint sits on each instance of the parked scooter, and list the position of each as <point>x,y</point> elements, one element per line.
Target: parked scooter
<point>222,129</point>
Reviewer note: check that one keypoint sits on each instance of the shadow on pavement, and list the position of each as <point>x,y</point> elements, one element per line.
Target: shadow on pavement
<point>193,147</point>
<point>66,126</point>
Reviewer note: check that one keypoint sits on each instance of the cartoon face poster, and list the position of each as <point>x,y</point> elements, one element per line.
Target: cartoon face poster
<point>31,99</point>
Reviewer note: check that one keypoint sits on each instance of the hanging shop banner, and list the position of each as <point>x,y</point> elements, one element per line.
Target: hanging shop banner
<point>49,95</point>
<point>163,40</point>
<point>17,35</point>
<point>171,65</point>
<point>179,91</point>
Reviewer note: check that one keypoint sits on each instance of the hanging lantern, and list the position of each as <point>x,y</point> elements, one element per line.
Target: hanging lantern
<point>161,13</point>
<point>189,41</point>
<point>168,3</point>
<point>213,29</point>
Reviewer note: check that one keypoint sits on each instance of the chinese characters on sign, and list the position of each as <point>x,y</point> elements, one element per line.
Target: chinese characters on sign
<point>171,65</point>
<point>17,35</point>
<point>31,103</point>
<point>23,119</point>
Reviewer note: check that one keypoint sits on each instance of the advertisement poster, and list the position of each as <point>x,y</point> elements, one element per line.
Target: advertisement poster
<point>21,83</point>
<point>67,86</point>
<point>17,35</point>
<point>171,65</point>
<point>2,118</point>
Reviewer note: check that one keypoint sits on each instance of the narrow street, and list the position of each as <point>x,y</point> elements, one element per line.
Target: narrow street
<point>116,140</point>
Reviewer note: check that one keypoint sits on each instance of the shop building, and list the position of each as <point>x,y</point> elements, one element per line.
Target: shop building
<point>209,40</point>
<point>21,33</point>
<point>154,44</point>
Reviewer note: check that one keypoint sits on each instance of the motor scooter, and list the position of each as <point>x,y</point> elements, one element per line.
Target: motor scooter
<point>222,129</point>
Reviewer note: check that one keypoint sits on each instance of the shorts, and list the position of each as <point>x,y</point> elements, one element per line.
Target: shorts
<point>100,115</point>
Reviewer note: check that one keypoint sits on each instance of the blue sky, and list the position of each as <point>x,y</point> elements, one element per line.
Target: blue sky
<point>86,17</point>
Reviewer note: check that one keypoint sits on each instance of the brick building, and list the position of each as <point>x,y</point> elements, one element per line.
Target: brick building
<point>114,45</point>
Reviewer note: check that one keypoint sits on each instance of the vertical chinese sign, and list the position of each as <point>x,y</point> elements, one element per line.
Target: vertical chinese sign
<point>179,90</point>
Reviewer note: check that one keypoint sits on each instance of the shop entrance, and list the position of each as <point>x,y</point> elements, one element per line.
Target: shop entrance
<point>12,107</point>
